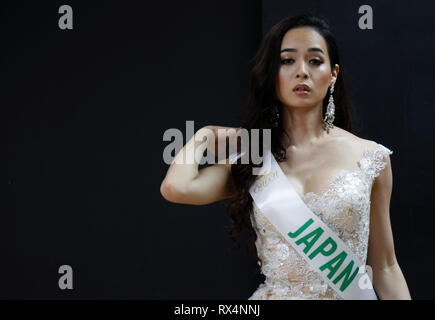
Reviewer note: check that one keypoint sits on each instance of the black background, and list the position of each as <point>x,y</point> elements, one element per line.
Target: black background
<point>85,111</point>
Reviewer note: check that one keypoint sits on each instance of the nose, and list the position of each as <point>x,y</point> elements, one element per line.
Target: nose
<point>301,72</point>
<point>304,75</point>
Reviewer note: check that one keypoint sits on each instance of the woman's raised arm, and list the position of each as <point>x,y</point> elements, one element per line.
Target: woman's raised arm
<point>184,183</point>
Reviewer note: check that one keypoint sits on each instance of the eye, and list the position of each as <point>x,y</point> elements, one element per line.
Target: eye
<point>317,61</point>
<point>285,61</point>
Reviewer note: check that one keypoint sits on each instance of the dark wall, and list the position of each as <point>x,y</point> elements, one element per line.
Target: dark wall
<point>389,73</point>
<point>85,111</point>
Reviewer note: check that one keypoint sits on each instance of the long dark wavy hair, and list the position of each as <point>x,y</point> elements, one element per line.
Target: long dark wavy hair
<point>262,97</point>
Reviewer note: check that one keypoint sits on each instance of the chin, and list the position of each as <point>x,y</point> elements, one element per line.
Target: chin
<point>300,104</point>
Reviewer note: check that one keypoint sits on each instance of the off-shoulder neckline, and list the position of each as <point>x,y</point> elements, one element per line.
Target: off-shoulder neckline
<point>368,152</point>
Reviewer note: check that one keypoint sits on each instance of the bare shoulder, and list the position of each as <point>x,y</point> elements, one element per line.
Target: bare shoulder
<point>365,144</point>
<point>350,141</point>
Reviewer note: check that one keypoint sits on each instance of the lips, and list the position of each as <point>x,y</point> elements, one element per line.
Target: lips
<point>302,88</point>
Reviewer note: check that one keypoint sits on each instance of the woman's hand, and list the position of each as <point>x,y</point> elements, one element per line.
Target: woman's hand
<point>226,140</point>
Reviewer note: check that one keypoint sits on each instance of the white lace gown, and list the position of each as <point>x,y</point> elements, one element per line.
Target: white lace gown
<point>345,207</point>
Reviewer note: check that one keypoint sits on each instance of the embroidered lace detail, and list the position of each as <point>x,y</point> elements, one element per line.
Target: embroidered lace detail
<point>344,207</point>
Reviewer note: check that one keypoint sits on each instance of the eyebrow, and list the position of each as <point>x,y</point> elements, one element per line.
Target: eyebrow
<point>295,50</point>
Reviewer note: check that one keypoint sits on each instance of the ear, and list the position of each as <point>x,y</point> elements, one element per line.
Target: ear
<point>335,72</point>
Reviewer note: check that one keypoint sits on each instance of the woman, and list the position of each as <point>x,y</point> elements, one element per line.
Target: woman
<point>296,89</point>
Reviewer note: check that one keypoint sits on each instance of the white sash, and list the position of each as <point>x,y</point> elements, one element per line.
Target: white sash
<point>324,251</point>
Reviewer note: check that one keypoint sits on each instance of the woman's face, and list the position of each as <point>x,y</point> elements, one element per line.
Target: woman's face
<point>301,64</point>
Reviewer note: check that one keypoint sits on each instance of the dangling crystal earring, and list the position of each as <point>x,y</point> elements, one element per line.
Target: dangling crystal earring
<point>330,110</point>
<point>275,116</point>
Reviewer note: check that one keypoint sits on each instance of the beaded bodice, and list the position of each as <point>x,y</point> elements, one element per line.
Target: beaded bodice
<point>344,206</point>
